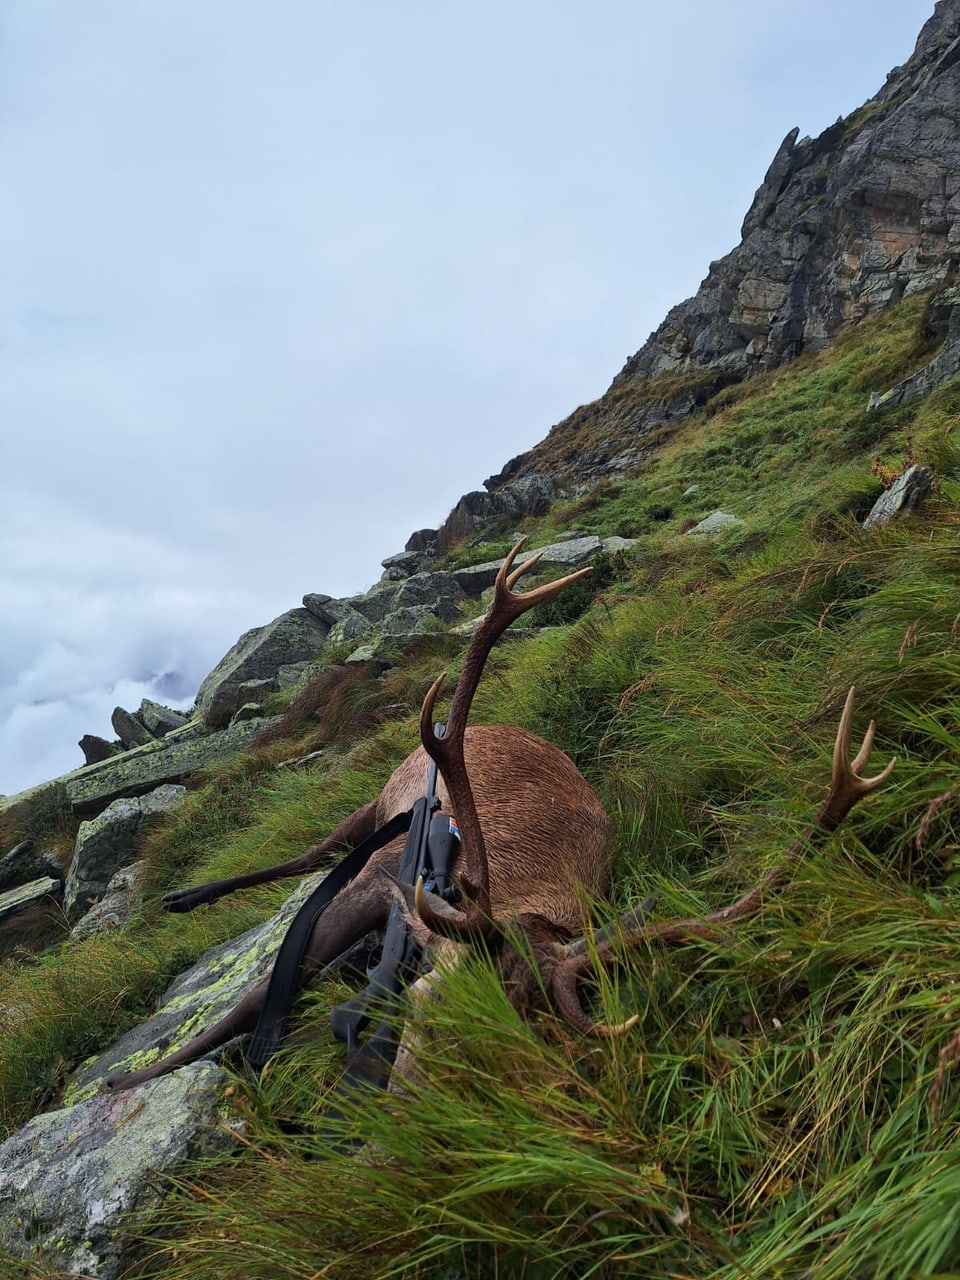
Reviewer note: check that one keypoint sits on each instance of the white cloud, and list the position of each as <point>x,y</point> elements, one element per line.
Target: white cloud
<point>277,285</point>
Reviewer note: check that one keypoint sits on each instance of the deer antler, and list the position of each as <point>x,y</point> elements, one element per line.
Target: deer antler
<point>846,785</point>
<point>846,788</point>
<point>475,920</point>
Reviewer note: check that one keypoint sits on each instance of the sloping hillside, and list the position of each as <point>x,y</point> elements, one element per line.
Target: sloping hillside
<point>787,1103</point>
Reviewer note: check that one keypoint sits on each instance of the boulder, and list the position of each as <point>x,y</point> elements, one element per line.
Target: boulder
<point>96,749</point>
<point>716,522</point>
<point>76,1184</point>
<point>255,691</point>
<point>170,759</point>
<point>439,593</point>
<point>43,889</point>
<point>402,565</point>
<point>160,720</point>
<point>905,495</point>
<point>24,862</point>
<point>293,675</point>
<point>181,753</point>
<point>198,998</point>
<point>113,909</point>
<point>944,365</point>
<point>351,628</point>
<point>296,636</point>
<point>566,556</point>
<point>327,608</point>
<point>112,841</point>
<point>129,729</point>
<point>476,512</point>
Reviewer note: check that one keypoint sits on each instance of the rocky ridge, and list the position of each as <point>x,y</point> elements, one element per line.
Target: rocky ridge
<point>842,226</point>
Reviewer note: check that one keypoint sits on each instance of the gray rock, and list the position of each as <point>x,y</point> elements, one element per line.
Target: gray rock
<point>439,592</point>
<point>326,608</point>
<point>943,312</point>
<point>170,759</point>
<point>76,1184</point>
<point>477,512</point>
<point>402,565</point>
<point>130,731</point>
<point>350,628</point>
<point>294,675</point>
<point>363,653</point>
<point>568,555</point>
<point>24,862</point>
<point>905,495</point>
<point>714,523</point>
<point>615,545</point>
<point>27,895</point>
<point>944,365</point>
<point>112,841</point>
<point>198,998</point>
<point>113,909</point>
<point>296,636</point>
<point>96,749</point>
<point>255,691</point>
<point>474,579</point>
<point>160,720</point>
<point>249,711</point>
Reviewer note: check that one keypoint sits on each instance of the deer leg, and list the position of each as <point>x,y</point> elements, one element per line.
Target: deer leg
<point>359,908</point>
<point>348,835</point>
<point>242,1018</point>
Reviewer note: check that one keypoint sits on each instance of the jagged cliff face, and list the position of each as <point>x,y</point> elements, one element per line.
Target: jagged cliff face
<point>842,225</point>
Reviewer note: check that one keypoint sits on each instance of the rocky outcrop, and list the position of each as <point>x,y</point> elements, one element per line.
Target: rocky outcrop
<point>111,841</point>
<point>296,636</point>
<point>26,862</point>
<point>198,998</point>
<point>943,318</point>
<point>170,759</point>
<point>95,748</point>
<point>76,1184</point>
<point>282,654</point>
<point>907,493</point>
<point>158,719</point>
<point>113,909</point>
<point>842,226</point>
<point>43,889</point>
<point>476,512</point>
<point>131,730</point>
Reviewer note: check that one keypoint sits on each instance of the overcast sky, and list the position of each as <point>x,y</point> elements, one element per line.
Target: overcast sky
<point>279,282</point>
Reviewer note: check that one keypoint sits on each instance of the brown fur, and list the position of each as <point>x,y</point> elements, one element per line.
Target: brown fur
<point>548,840</point>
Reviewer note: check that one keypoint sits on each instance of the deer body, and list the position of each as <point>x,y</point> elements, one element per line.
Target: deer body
<point>547,835</point>
<point>535,845</point>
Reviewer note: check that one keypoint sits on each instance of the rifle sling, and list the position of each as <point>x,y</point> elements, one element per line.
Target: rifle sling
<point>287,976</point>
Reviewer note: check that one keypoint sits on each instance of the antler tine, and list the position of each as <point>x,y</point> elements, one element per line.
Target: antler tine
<point>846,784</point>
<point>563,992</point>
<point>505,598</point>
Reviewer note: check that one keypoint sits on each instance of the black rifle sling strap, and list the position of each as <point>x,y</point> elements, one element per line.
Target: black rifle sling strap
<point>400,952</point>
<point>286,979</point>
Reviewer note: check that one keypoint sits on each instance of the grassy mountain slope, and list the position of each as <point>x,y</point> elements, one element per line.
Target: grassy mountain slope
<point>782,1108</point>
